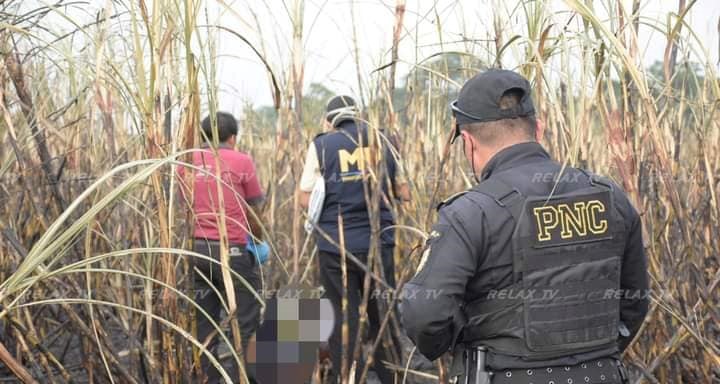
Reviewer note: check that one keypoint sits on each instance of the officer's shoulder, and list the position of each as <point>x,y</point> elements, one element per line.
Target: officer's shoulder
<point>321,134</point>
<point>450,200</point>
<point>622,200</point>
<point>604,181</point>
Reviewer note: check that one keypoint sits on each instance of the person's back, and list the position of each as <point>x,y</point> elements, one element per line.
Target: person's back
<point>239,187</point>
<point>523,275</point>
<point>343,156</point>
<point>341,159</point>
<point>570,232</point>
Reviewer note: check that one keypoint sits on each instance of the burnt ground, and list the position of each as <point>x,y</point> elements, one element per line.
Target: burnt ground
<point>67,347</point>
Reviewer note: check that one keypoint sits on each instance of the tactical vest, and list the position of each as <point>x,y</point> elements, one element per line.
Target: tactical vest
<point>342,156</point>
<point>567,252</point>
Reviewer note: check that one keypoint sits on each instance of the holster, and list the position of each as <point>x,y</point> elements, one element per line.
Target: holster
<point>624,377</point>
<point>458,348</point>
<point>482,376</point>
<point>458,362</point>
<point>470,363</point>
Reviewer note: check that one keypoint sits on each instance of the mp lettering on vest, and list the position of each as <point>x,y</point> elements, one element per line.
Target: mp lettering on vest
<point>354,160</point>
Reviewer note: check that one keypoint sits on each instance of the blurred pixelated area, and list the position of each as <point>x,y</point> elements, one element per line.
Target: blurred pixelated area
<point>296,321</point>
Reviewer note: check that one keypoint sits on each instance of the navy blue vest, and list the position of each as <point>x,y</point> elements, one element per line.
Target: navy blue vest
<point>341,158</point>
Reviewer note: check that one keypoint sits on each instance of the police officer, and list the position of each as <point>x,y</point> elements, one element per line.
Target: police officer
<point>537,274</point>
<point>340,158</point>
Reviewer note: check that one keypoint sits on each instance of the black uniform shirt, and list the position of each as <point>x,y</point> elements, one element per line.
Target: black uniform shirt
<point>469,254</point>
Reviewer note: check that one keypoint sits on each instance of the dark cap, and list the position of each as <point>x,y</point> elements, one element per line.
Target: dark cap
<point>339,107</point>
<point>479,98</point>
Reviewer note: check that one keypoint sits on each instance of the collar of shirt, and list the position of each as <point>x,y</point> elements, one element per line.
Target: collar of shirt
<point>513,156</point>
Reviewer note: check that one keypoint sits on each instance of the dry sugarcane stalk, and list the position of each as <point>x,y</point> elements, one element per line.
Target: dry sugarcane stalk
<point>669,62</point>
<point>298,74</point>
<point>14,366</point>
<point>356,54</point>
<point>397,30</point>
<point>383,325</point>
<point>682,267</point>
<point>15,70</point>
<point>87,332</point>
<point>33,359</point>
<point>45,355</point>
<point>345,329</point>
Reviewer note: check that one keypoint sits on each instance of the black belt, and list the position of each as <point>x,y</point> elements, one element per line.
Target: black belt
<point>605,370</point>
<point>233,248</point>
<point>217,242</point>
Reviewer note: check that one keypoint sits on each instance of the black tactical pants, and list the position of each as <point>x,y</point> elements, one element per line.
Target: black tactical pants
<point>600,371</point>
<point>331,278</point>
<point>248,308</point>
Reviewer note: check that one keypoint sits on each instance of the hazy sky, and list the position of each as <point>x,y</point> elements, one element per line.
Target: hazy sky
<point>430,26</point>
<point>328,37</point>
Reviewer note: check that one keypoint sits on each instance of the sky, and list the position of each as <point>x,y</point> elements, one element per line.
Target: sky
<point>430,26</point>
<point>327,37</point>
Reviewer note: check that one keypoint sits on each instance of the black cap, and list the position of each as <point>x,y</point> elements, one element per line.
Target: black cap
<point>479,98</point>
<point>340,107</point>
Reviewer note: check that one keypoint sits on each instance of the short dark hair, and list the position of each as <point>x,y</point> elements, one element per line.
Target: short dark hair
<point>226,126</point>
<point>492,131</point>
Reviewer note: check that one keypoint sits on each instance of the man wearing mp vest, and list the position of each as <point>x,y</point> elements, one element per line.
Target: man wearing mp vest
<point>537,274</point>
<point>340,158</point>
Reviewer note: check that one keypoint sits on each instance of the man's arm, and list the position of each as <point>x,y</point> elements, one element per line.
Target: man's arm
<point>254,200</point>
<point>402,191</point>
<point>304,199</point>
<point>431,306</point>
<point>254,214</point>
<point>633,281</point>
<point>401,187</point>
<point>310,174</point>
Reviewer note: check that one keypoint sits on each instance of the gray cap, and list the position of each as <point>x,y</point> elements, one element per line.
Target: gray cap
<point>479,98</point>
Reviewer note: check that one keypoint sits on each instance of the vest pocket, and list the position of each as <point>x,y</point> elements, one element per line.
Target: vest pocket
<point>565,314</point>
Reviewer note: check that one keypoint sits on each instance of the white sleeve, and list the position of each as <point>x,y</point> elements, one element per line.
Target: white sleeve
<point>311,170</point>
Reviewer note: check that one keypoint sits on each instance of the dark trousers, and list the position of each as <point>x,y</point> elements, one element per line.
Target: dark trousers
<point>248,308</point>
<point>331,278</point>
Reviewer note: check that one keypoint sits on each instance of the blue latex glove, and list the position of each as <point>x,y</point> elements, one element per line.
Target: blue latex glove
<point>260,250</point>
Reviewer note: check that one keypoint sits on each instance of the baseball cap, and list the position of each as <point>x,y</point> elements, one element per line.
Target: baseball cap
<point>479,98</point>
<point>340,107</point>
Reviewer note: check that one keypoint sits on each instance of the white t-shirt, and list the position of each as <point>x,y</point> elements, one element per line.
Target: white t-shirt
<point>311,170</point>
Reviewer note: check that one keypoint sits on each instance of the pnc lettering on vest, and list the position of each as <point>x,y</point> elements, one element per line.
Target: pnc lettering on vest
<point>571,220</point>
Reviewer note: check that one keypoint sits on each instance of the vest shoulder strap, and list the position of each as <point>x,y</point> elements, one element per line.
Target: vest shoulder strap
<point>596,179</point>
<point>320,151</point>
<point>450,199</point>
<point>504,195</point>
<point>510,201</point>
<point>600,180</point>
